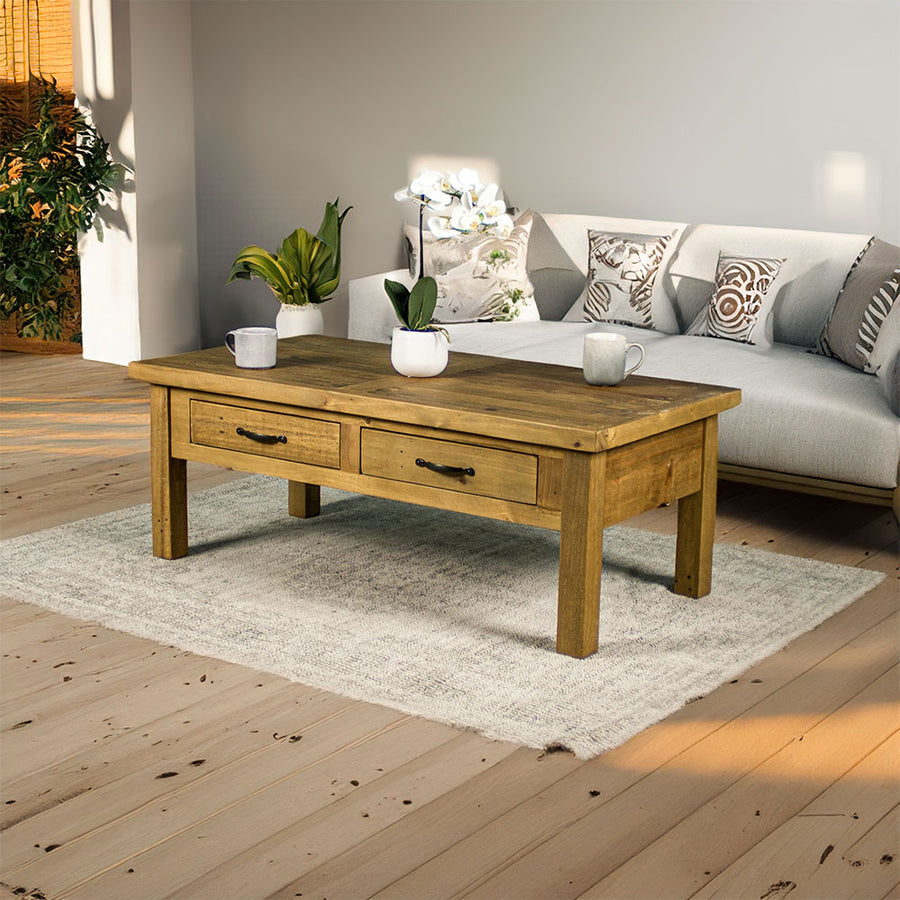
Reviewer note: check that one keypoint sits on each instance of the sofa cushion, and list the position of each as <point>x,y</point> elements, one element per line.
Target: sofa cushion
<point>558,282</point>
<point>740,306</point>
<point>786,422</point>
<point>479,276</point>
<point>866,299</point>
<point>570,234</point>
<point>884,360</point>
<point>810,280</point>
<point>622,272</point>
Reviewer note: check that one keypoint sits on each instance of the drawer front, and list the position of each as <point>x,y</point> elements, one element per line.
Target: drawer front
<point>502,474</point>
<point>263,433</point>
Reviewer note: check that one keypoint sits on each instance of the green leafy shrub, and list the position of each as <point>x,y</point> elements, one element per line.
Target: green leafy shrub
<point>53,179</point>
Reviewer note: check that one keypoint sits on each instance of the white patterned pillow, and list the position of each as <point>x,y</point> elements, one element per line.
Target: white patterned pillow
<point>864,303</point>
<point>622,270</point>
<point>441,254</point>
<point>742,300</point>
<point>482,276</point>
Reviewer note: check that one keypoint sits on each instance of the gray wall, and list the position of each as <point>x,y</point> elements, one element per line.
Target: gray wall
<point>691,110</point>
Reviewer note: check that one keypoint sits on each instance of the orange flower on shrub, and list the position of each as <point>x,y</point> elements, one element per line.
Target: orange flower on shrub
<point>38,208</point>
<point>16,167</point>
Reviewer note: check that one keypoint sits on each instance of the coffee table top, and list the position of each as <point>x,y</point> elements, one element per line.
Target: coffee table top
<point>485,395</point>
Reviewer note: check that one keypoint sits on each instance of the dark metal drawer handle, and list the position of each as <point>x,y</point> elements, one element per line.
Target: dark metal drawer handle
<point>262,438</point>
<point>444,470</point>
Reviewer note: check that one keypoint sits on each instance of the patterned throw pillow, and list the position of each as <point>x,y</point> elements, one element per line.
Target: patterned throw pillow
<point>867,297</point>
<point>741,301</point>
<point>479,276</point>
<point>622,270</point>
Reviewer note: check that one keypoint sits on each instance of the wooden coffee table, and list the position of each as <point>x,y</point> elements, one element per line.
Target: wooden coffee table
<point>519,441</point>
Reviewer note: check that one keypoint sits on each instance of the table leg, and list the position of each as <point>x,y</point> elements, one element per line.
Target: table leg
<point>697,522</point>
<point>168,482</point>
<point>304,500</point>
<point>580,554</point>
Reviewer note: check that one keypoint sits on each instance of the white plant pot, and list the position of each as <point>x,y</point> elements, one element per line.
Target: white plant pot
<point>419,354</point>
<point>293,320</point>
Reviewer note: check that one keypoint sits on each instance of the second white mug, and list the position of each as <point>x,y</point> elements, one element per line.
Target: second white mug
<point>605,353</point>
<point>255,347</point>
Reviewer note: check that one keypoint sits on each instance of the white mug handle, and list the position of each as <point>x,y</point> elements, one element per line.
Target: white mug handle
<point>229,342</point>
<point>637,365</point>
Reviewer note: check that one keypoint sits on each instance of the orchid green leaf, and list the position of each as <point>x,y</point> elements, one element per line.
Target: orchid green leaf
<point>399,297</point>
<point>422,302</point>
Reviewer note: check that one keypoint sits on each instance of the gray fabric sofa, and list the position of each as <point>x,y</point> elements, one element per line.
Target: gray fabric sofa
<point>807,421</point>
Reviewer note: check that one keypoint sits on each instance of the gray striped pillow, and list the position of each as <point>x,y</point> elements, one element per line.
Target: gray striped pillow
<point>868,295</point>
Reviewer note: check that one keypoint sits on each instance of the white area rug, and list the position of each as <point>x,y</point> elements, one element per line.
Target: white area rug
<point>438,614</point>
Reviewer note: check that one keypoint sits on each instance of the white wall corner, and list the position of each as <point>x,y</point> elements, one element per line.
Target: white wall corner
<point>139,285</point>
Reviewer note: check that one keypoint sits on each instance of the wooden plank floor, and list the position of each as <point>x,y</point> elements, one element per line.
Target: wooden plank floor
<point>135,771</point>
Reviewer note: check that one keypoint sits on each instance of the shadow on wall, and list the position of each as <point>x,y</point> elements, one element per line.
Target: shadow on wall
<point>100,71</point>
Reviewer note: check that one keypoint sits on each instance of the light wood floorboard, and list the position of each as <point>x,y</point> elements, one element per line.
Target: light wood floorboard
<point>137,771</point>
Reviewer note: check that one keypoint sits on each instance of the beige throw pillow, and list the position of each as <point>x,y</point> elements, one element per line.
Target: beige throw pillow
<point>479,276</point>
<point>622,270</point>
<point>741,302</point>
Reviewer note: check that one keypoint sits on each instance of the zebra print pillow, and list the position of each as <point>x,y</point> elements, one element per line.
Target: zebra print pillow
<point>741,301</point>
<point>868,295</point>
<point>622,270</point>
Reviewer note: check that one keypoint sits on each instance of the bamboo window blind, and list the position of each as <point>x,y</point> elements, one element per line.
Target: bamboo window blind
<point>36,41</point>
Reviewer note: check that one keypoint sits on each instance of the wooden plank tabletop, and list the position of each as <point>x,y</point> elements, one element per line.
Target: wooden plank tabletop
<point>491,396</point>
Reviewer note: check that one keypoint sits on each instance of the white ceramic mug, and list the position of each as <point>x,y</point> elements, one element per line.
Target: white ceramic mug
<point>254,347</point>
<point>604,357</point>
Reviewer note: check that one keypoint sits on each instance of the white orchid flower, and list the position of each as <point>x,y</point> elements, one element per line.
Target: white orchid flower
<point>465,181</point>
<point>503,225</point>
<point>448,184</point>
<point>430,183</point>
<point>464,206</point>
<point>427,190</point>
<point>466,218</point>
<point>427,180</point>
<point>491,201</point>
<point>440,227</point>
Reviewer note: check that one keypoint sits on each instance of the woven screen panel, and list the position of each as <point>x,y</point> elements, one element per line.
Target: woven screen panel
<point>37,40</point>
<point>36,44</point>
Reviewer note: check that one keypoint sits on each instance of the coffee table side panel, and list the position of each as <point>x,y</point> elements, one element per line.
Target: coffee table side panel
<point>653,472</point>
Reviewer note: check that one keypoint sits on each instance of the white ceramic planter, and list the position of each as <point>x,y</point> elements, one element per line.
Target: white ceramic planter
<point>293,320</point>
<point>419,354</point>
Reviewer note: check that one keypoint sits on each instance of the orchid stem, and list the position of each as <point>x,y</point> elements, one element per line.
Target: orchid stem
<point>421,239</point>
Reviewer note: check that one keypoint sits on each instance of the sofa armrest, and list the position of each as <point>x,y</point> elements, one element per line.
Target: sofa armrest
<point>372,317</point>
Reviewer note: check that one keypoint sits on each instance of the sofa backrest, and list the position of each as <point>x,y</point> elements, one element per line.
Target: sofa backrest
<point>816,264</point>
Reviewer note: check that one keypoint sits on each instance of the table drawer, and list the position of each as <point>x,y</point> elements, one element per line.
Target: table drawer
<point>263,433</point>
<point>502,474</point>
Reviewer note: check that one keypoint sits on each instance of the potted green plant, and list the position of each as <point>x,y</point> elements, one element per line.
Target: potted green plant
<point>54,177</point>
<point>464,206</point>
<point>418,347</point>
<point>303,273</point>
